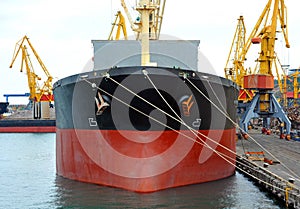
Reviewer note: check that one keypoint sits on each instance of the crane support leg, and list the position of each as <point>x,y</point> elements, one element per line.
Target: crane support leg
<point>248,114</point>
<point>281,115</point>
<point>266,126</point>
<point>253,110</point>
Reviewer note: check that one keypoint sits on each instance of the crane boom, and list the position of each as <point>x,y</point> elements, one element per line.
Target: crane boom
<point>255,30</point>
<point>267,35</point>
<point>31,76</point>
<point>260,32</point>
<point>20,44</point>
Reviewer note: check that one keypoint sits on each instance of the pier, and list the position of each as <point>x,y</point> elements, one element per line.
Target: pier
<point>273,164</point>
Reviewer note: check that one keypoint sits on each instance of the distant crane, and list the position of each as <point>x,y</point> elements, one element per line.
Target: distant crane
<point>296,89</point>
<point>234,67</point>
<point>37,93</point>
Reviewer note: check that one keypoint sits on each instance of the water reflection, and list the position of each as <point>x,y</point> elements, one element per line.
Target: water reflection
<point>233,192</point>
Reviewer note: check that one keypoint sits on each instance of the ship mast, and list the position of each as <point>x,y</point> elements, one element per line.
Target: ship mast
<point>147,26</point>
<point>145,8</point>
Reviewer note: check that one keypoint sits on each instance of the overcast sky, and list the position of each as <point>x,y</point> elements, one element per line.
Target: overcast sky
<point>61,32</point>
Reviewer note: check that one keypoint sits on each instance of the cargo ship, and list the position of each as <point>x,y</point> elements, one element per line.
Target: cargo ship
<point>145,126</point>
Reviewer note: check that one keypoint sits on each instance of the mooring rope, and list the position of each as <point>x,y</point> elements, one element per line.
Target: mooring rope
<point>192,130</point>
<point>236,125</point>
<point>182,122</point>
<point>154,119</point>
<point>222,155</point>
<point>216,96</point>
<point>178,120</point>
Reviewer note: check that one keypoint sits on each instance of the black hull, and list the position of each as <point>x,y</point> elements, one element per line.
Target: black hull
<point>144,129</point>
<point>76,97</point>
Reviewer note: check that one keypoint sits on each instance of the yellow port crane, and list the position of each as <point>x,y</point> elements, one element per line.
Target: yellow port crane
<point>296,89</point>
<point>263,104</point>
<point>120,23</point>
<point>234,67</point>
<point>39,96</point>
<point>37,93</point>
<point>233,70</point>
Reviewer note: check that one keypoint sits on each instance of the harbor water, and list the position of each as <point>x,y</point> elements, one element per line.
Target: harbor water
<point>29,180</point>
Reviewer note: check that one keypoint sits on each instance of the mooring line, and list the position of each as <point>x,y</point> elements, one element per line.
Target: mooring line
<point>241,128</point>
<point>203,144</point>
<point>251,136</point>
<point>222,155</point>
<point>216,96</point>
<point>180,121</point>
<point>192,130</point>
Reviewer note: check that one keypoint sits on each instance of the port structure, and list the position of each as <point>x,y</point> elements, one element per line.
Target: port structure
<point>293,78</point>
<point>256,99</point>
<point>37,94</point>
<point>234,67</point>
<point>16,95</point>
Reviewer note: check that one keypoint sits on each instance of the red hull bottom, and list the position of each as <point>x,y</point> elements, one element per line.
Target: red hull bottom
<point>28,129</point>
<point>143,161</point>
